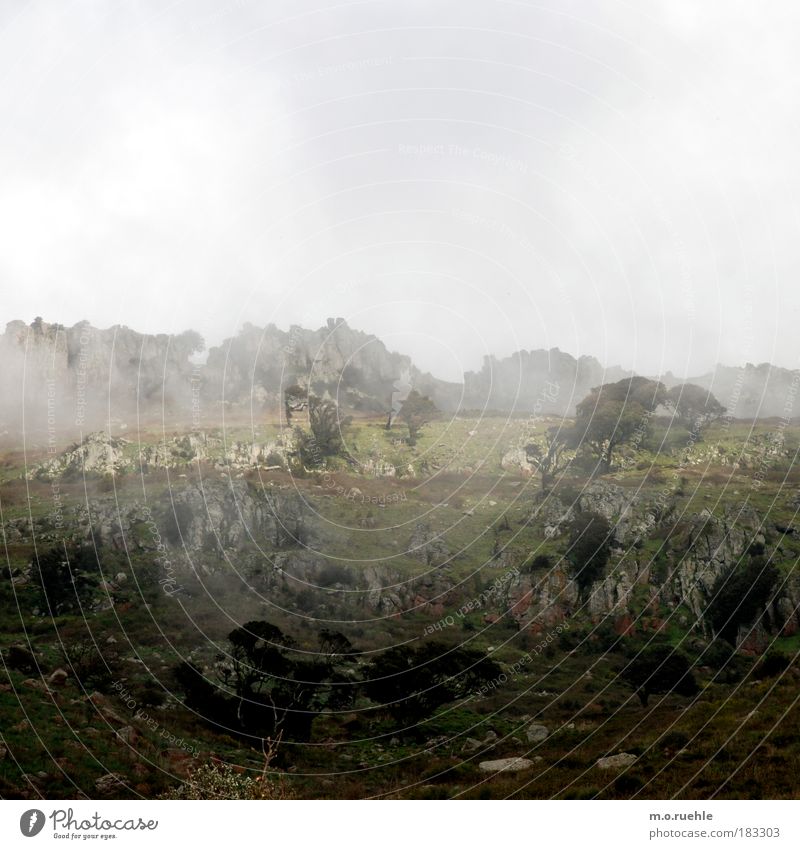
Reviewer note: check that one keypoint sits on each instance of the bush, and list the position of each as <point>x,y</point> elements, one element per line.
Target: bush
<point>660,669</point>
<point>739,596</point>
<point>335,573</point>
<point>588,548</point>
<point>772,664</point>
<point>222,781</point>
<point>627,785</point>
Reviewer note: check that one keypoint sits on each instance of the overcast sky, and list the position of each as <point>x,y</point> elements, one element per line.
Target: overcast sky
<point>459,178</point>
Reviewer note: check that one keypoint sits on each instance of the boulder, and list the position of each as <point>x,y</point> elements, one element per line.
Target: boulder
<point>127,734</point>
<point>471,745</point>
<point>109,783</point>
<point>58,678</point>
<point>620,761</point>
<point>505,765</point>
<point>537,733</point>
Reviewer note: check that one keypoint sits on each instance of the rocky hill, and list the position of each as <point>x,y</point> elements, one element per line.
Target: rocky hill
<point>66,379</point>
<point>70,380</point>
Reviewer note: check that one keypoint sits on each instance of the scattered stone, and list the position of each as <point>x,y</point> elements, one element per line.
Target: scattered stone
<point>128,734</point>
<point>109,783</point>
<point>105,710</point>
<point>58,678</point>
<point>505,765</point>
<point>616,761</point>
<point>3,753</point>
<point>37,684</point>
<point>471,745</point>
<point>537,733</point>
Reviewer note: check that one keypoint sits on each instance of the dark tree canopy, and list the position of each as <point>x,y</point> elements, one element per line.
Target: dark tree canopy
<point>614,413</point>
<point>660,669</point>
<point>588,548</point>
<point>551,460</point>
<point>65,577</point>
<point>417,411</point>
<point>277,690</point>
<point>327,425</point>
<point>411,683</point>
<point>694,407</point>
<point>739,595</point>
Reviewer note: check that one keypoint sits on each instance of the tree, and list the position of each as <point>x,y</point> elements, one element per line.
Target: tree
<point>417,411</point>
<point>295,399</point>
<point>334,645</point>
<point>614,413</point>
<point>411,683</point>
<point>660,669</point>
<point>277,691</point>
<point>551,459</point>
<point>695,407</point>
<point>65,577</point>
<point>327,425</point>
<point>739,595</point>
<point>187,343</point>
<point>588,548</point>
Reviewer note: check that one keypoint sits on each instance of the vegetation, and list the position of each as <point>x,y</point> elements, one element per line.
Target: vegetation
<point>417,411</point>
<point>412,683</point>
<point>588,548</point>
<point>299,583</point>
<point>615,414</point>
<point>660,669</point>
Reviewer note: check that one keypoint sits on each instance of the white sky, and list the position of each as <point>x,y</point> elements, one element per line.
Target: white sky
<point>459,178</point>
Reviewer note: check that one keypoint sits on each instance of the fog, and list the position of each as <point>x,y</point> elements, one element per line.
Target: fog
<point>458,178</point>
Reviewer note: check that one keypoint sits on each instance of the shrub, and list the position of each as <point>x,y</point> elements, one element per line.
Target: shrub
<point>627,785</point>
<point>739,596</point>
<point>588,548</point>
<point>660,669</point>
<point>222,781</point>
<point>772,664</point>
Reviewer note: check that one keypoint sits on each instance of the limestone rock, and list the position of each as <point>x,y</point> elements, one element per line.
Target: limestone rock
<point>505,765</point>
<point>109,783</point>
<point>619,761</point>
<point>58,678</point>
<point>537,733</point>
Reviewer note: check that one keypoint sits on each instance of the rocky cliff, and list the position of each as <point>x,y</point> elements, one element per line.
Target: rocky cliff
<point>66,380</point>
